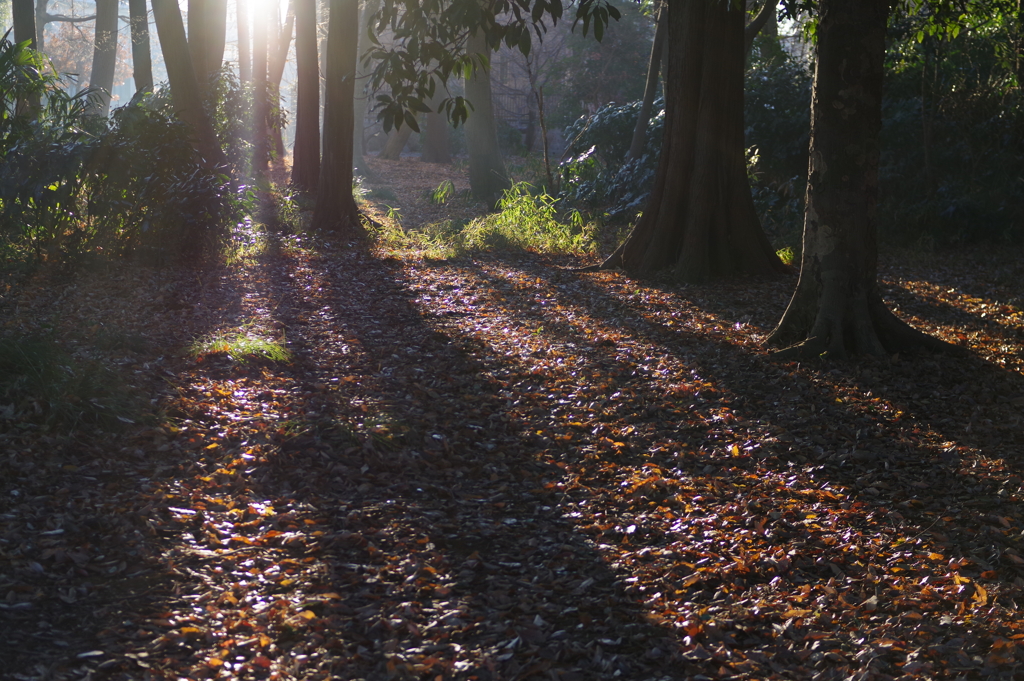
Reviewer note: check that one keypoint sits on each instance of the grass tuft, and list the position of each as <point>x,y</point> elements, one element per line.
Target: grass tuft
<point>242,346</point>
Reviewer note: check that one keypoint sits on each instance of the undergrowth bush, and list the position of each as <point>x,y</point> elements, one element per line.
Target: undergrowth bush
<point>73,184</point>
<point>525,221</point>
<point>43,384</point>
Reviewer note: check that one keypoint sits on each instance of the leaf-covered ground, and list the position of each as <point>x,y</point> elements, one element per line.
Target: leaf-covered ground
<point>503,469</point>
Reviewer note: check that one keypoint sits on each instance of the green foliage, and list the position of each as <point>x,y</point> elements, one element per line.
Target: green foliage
<point>524,222</point>
<point>952,144</point>
<point>444,192</point>
<point>232,106</point>
<point>41,383</point>
<point>594,174</point>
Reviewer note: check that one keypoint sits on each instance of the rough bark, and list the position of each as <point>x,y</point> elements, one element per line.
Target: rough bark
<point>488,178</point>
<point>142,61</point>
<point>104,57</point>
<point>306,152</point>
<point>837,308</point>
<point>244,50</point>
<point>436,142</point>
<point>335,208</point>
<point>185,94</point>
<point>700,220</point>
<point>636,147</point>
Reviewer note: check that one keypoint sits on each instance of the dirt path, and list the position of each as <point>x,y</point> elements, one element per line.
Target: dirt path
<point>499,469</point>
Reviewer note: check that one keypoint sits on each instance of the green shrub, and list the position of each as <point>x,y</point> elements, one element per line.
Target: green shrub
<point>42,383</point>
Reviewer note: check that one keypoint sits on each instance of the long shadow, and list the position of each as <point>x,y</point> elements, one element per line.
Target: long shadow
<point>373,510</point>
<point>779,413</point>
<point>66,497</point>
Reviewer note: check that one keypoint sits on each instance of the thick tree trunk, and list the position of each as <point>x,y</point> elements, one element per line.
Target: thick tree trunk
<point>436,141</point>
<point>104,57</point>
<point>488,177</point>
<point>244,51</point>
<point>700,220</point>
<point>837,308</point>
<point>306,152</point>
<point>185,95</point>
<point>397,139</point>
<point>261,95</point>
<point>24,19</point>
<point>142,61</point>
<point>636,147</point>
<point>335,206</point>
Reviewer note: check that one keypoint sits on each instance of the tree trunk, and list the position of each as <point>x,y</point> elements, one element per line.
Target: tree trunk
<point>306,152</point>
<point>362,75</point>
<point>40,25</point>
<point>278,58</point>
<point>766,13</point>
<point>199,40</point>
<point>244,53</point>
<point>700,220</point>
<point>436,143</point>
<point>142,61</point>
<point>104,57</point>
<point>335,206</point>
<point>837,308</point>
<point>24,19</point>
<point>397,139</point>
<point>636,147</point>
<point>488,178</point>
<point>261,95</point>
<point>185,95</point>
<point>216,35</point>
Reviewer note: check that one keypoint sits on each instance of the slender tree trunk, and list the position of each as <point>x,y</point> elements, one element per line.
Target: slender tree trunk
<point>764,15</point>
<point>41,22</point>
<point>199,40</point>
<point>104,57</point>
<point>362,75</point>
<point>185,94</point>
<point>306,152</point>
<point>397,139</point>
<point>700,220</point>
<point>278,58</point>
<point>335,206</point>
<point>488,177</point>
<point>436,143</point>
<point>244,51</point>
<point>837,308</point>
<point>142,61</point>
<point>216,35</point>
<point>636,147</point>
<point>261,94</point>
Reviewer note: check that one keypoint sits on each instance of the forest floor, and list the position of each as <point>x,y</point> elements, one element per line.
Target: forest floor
<point>500,468</point>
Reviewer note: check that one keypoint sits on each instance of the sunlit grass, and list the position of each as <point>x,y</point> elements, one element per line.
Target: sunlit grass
<point>242,346</point>
<point>247,243</point>
<point>525,222</point>
<point>787,255</point>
